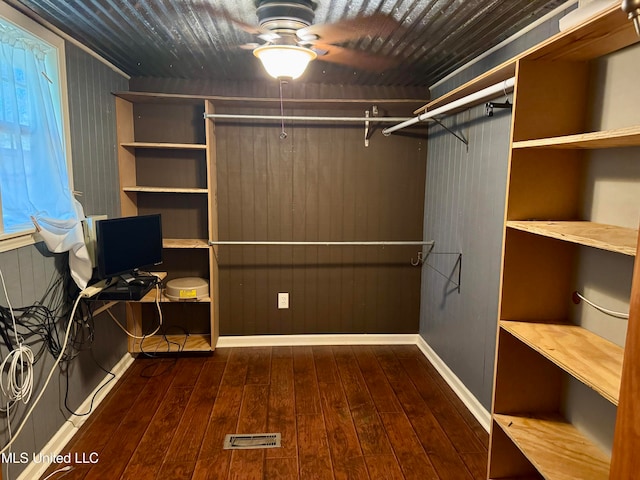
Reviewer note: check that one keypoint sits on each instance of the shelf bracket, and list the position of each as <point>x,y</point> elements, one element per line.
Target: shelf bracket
<point>489,106</point>
<point>368,131</point>
<point>455,134</point>
<point>456,270</point>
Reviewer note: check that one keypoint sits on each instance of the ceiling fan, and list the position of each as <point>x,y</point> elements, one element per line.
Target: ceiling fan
<point>292,40</point>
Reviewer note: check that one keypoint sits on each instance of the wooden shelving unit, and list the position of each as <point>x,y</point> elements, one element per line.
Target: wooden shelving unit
<point>538,350</point>
<point>166,161</point>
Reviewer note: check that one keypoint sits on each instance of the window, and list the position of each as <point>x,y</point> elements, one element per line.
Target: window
<point>34,153</point>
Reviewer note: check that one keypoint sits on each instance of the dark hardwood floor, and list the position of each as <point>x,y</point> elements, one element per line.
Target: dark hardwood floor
<point>379,412</point>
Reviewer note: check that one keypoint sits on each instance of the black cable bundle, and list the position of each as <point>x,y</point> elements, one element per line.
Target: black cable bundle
<point>38,324</point>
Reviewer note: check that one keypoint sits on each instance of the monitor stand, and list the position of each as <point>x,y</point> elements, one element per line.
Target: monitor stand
<point>127,287</point>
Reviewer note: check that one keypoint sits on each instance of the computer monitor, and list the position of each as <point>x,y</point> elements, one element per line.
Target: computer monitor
<point>127,244</point>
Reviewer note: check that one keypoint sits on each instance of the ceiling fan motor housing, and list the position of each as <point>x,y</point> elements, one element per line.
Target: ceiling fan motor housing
<point>279,15</point>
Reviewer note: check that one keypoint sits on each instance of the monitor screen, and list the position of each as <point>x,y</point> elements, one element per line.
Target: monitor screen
<point>129,243</point>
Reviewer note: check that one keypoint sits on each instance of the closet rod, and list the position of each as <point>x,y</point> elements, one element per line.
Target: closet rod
<point>479,96</point>
<point>377,243</point>
<point>305,118</point>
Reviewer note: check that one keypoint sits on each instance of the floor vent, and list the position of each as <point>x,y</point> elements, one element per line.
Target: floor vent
<point>256,440</point>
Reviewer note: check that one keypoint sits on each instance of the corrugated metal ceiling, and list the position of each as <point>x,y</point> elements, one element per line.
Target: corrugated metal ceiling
<point>200,38</point>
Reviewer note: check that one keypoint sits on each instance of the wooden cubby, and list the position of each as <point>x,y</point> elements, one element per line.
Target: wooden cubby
<point>540,354</point>
<point>166,159</point>
<point>545,229</point>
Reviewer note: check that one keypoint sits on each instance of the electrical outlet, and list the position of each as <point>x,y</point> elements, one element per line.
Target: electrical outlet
<point>283,300</point>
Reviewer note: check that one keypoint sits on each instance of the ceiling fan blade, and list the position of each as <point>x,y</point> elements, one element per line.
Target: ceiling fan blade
<point>353,58</point>
<point>352,29</point>
<point>262,33</point>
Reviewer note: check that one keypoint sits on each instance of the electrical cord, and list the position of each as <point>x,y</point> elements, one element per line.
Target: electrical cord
<point>606,311</point>
<point>66,392</point>
<point>35,325</point>
<point>66,469</point>
<point>143,337</point>
<point>89,324</point>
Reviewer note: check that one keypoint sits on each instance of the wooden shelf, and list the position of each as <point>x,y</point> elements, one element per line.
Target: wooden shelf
<point>605,33</point>
<point>621,137</point>
<point>498,74</point>
<point>185,243</point>
<point>591,359</point>
<point>271,102</point>
<point>605,237</point>
<point>164,190</point>
<point>168,146</point>
<point>556,448</point>
<point>158,344</point>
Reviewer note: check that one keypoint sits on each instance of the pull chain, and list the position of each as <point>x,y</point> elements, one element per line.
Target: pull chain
<point>283,134</point>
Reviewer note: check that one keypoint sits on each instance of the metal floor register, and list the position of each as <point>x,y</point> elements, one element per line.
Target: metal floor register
<point>256,440</point>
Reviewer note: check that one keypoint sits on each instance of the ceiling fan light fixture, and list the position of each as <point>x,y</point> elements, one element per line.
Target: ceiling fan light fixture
<point>285,61</point>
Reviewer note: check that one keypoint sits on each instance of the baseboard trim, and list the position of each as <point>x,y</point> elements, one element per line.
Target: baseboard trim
<point>73,423</point>
<point>471,402</point>
<point>320,339</point>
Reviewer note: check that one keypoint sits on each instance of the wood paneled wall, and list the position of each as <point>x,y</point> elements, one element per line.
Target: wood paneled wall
<point>465,195</point>
<point>320,183</point>
<point>28,270</point>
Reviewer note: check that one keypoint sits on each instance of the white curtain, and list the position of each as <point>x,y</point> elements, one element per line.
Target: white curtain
<point>33,170</point>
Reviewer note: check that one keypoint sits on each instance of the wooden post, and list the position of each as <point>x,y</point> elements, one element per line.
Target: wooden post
<point>625,461</point>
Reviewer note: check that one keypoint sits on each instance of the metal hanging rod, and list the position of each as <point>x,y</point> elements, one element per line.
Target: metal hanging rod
<point>479,96</point>
<point>327,244</point>
<point>307,118</point>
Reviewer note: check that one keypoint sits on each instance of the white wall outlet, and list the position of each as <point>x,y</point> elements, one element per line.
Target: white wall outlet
<point>283,300</point>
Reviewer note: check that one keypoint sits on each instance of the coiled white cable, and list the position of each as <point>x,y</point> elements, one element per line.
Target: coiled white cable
<point>17,383</point>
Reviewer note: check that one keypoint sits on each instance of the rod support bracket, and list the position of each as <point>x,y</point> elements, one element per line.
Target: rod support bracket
<point>455,134</point>
<point>489,106</point>
<point>368,131</point>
